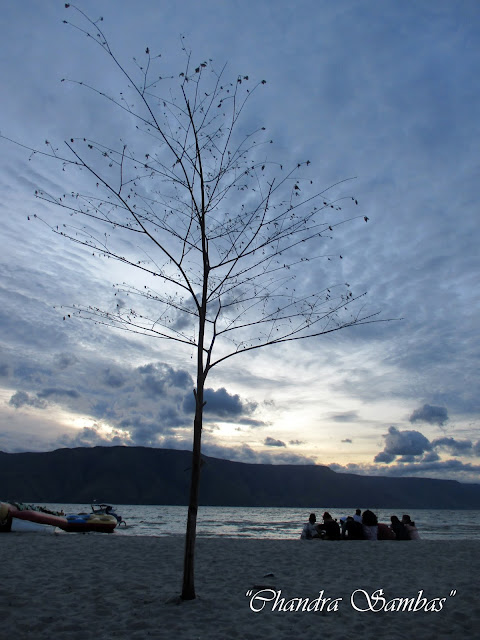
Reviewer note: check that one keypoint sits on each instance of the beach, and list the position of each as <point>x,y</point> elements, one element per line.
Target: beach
<point>82,586</point>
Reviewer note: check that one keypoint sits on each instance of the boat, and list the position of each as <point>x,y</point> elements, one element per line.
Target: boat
<point>81,522</point>
<point>107,509</point>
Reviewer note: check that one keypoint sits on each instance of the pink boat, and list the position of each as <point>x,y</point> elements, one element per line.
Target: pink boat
<point>81,522</point>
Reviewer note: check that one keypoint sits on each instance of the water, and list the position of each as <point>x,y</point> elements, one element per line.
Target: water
<point>273,522</point>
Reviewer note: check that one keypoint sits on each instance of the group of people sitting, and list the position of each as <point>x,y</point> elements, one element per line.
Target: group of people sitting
<point>360,526</point>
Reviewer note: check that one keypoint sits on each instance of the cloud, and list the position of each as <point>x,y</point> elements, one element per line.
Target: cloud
<point>455,447</point>
<point>347,416</point>
<point>411,453</point>
<point>23,399</point>
<point>430,414</point>
<point>128,404</point>
<point>271,442</point>
<point>176,379</point>
<point>65,360</point>
<point>222,405</point>
<point>92,437</point>
<point>429,467</point>
<point>413,445</point>
<point>160,378</point>
<point>416,95</point>
<point>431,456</point>
<point>252,422</point>
<point>58,393</point>
<point>384,456</point>
<point>402,443</point>
<point>348,440</point>
<point>245,453</point>
<point>113,379</point>
<point>147,432</point>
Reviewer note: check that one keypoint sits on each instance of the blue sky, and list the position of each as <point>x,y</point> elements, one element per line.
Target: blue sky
<point>385,92</point>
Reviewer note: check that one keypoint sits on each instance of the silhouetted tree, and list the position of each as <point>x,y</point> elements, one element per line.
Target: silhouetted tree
<point>222,235</point>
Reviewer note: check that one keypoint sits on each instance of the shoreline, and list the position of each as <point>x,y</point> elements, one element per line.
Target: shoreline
<point>272,523</point>
<point>97,585</point>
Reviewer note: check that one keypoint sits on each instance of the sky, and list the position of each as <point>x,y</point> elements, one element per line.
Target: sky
<point>386,93</point>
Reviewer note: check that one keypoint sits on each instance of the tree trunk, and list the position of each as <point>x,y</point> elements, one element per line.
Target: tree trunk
<point>188,589</point>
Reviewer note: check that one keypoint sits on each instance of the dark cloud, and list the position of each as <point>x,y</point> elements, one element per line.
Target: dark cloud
<point>251,422</point>
<point>223,405</point>
<point>158,378</point>
<point>271,442</point>
<point>104,409</point>
<point>3,370</point>
<point>347,440</point>
<point>347,416</point>
<point>145,433</point>
<point>385,457</point>
<point>402,443</point>
<point>406,459</point>
<point>113,379</point>
<point>30,373</point>
<point>430,414</point>
<point>431,456</point>
<point>65,360</point>
<point>413,446</point>
<point>58,393</point>
<point>295,442</point>
<point>153,385</point>
<point>23,399</point>
<point>147,368</point>
<point>411,453</point>
<point>455,447</point>
<point>171,416</point>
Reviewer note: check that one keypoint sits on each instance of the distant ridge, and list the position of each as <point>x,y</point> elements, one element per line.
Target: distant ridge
<point>140,475</point>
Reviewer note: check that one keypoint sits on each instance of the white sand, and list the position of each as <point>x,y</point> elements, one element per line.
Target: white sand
<point>106,586</point>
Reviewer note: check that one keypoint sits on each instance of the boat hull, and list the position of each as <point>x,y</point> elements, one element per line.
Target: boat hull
<point>72,523</point>
<point>90,522</point>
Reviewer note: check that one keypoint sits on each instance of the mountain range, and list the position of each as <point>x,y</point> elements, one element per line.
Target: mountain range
<point>141,475</point>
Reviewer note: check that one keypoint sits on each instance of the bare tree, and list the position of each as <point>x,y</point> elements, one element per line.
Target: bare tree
<point>221,234</point>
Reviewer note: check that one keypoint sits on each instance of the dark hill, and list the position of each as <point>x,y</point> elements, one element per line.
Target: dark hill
<point>139,475</point>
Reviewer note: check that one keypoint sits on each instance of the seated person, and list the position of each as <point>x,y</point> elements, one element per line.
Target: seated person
<point>358,516</point>
<point>370,525</point>
<point>398,529</point>
<point>411,528</point>
<point>353,529</point>
<point>385,533</point>
<point>330,528</point>
<point>310,530</point>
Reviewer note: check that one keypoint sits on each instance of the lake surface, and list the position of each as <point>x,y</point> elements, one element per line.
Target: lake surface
<point>274,522</point>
